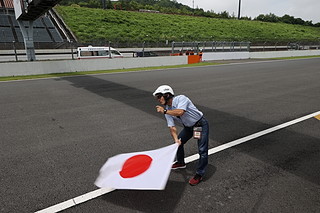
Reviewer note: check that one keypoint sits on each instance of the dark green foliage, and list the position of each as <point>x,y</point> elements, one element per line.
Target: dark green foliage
<point>284,19</point>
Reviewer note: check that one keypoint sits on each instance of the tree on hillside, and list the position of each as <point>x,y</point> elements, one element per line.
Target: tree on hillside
<point>109,4</point>
<point>268,18</point>
<point>134,5</point>
<point>224,14</point>
<point>124,4</point>
<point>287,19</point>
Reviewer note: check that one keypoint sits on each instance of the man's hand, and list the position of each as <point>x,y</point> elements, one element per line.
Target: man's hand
<point>178,141</point>
<point>160,109</point>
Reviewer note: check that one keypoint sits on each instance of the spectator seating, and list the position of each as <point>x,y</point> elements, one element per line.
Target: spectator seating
<point>46,33</point>
<point>43,30</point>
<point>6,34</point>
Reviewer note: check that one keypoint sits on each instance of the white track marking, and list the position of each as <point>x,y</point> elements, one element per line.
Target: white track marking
<point>253,136</point>
<point>75,201</point>
<point>91,195</point>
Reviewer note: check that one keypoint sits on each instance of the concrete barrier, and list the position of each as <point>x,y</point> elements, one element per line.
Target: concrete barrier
<point>47,67</point>
<point>211,56</point>
<point>280,54</point>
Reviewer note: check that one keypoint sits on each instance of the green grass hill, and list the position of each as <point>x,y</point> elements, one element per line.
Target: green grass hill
<point>97,25</point>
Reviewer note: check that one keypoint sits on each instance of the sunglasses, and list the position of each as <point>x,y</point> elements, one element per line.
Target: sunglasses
<point>159,96</point>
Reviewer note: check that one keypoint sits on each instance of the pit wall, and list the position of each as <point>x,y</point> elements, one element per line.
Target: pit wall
<point>280,54</point>
<point>47,67</point>
<point>211,56</point>
<point>62,66</point>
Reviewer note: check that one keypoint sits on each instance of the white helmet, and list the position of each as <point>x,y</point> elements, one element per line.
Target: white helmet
<point>163,89</point>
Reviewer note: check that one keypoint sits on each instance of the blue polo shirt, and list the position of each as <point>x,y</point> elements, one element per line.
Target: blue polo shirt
<point>189,117</point>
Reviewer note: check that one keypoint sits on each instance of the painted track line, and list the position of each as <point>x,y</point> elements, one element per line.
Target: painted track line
<point>253,136</point>
<point>99,192</point>
<point>77,200</point>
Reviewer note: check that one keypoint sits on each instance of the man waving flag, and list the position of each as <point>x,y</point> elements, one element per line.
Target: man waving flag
<point>147,170</point>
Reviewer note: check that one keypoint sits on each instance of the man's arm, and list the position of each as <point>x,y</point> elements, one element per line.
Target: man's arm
<point>174,112</point>
<point>173,132</point>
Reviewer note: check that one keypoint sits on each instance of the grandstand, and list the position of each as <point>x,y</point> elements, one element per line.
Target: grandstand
<point>49,30</point>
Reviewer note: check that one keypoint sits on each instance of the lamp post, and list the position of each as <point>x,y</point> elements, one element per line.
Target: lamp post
<point>239,9</point>
<point>192,7</point>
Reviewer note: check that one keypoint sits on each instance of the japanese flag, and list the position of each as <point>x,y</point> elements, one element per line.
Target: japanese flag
<point>147,170</point>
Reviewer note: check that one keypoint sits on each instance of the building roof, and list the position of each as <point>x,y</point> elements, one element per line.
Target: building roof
<point>6,4</point>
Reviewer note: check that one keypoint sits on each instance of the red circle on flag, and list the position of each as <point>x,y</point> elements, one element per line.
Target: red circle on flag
<point>135,166</point>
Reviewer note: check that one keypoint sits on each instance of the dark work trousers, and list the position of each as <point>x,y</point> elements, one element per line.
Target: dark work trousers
<point>186,134</point>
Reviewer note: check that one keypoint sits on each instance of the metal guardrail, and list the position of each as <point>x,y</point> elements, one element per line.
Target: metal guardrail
<point>211,46</point>
<point>173,48</point>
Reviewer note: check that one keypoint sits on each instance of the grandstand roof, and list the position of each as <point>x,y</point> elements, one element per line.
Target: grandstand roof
<point>6,4</point>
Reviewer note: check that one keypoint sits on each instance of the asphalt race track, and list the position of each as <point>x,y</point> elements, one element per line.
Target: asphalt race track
<point>57,133</point>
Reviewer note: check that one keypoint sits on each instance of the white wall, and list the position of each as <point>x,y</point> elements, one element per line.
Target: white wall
<point>279,54</point>
<point>209,56</point>
<point>47,67</point>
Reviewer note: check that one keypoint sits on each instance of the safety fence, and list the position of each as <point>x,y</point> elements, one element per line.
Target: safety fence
<point>209,46</point>
<point>68,49</point>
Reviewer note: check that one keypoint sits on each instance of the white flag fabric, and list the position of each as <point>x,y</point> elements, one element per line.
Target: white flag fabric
<point>147,170</point>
